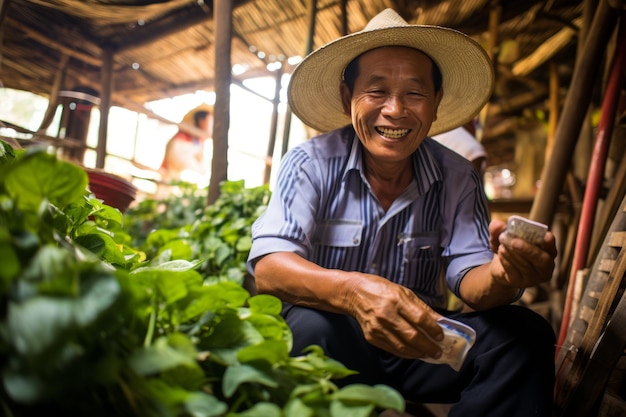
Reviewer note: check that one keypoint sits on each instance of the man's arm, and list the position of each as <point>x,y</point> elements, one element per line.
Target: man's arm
<point>515,265</point>
<point>391,316</point>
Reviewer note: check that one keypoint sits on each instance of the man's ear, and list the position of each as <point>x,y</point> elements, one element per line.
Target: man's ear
<point>346,98</point>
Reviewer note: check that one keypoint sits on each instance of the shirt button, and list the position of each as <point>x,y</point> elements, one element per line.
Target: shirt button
<point>355,241</point>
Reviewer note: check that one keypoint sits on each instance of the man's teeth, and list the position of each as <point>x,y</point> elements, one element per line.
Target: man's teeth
<point>392,133</point>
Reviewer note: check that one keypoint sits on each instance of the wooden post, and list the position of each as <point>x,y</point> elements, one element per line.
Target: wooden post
<point>273,127</point>
<point>554,103</point>
<point>494,22</point>
<point>309,47</point>
<point>312,19</point>
<point>576,104</point>
<point>105,105</point>
<point>581,159</point>
<point>222,18</point>
<point>54,95</point>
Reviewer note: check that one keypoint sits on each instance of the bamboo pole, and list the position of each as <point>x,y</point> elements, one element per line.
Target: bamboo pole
<point>576,104</point>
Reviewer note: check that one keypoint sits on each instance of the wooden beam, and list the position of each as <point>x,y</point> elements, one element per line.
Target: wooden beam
<point>182,21</point>
<point>546,50</point>
<point>62,49</point>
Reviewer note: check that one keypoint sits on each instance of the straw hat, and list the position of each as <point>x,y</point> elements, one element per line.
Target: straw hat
<point>466,69</point>
<point>189,116</point>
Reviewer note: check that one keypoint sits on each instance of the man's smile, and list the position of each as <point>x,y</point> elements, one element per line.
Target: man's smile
<point>392,133</point>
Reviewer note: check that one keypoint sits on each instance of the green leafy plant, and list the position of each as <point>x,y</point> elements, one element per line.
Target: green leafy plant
<point>92,323</point>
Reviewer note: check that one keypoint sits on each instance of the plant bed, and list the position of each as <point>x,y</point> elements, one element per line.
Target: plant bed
<point>94,324</point>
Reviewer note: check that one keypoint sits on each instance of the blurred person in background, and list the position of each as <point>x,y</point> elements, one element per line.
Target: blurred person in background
<point>184,152</point>
<point>462,140</point>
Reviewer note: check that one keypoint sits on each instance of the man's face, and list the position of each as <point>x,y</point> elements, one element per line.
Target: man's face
<point>394,101</point>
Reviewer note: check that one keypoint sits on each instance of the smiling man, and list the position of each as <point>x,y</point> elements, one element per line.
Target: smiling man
<point>370,221</point>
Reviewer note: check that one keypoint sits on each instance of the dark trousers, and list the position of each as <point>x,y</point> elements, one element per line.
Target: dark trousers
<point>508,372</point>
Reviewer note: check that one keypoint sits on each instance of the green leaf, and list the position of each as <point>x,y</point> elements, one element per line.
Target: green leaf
<point>112,252</point>
<point>295,407</point>
<point>230,293</point>
<point>222,253</point>
<point>228,337</point>
<point>196,403</point>
<point>53,271</point>
<point>93,242</point>
<point>106,216</point>
<point>174,265</point>
<point>379,395</point>
<point>266,304</point>
<point>240,374</point>
<point>159,237</point>
<point>40,322</point>
<point>270,351</point>
<point>199,304</point>
<point>340,409</point>
<point>262,410</point>
<point>10,265</point>
<point>7,153</point>
<point>200,404</point>
<point>271,327</point>
<point>40,176</point>
<point>160,357</point>
<point>172,286</point>
<point>25,387</point>
<point>180,249</point>
<point>244,244</point>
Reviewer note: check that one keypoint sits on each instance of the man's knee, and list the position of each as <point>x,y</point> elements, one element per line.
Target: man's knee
<point>315,327</point>
<point>523,329</point>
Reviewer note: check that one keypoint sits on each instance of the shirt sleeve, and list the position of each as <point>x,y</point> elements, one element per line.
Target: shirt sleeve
<point>288,222</point>
<point>468,245</point>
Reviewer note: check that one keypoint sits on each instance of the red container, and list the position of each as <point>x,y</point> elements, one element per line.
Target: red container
<point>114,190</point>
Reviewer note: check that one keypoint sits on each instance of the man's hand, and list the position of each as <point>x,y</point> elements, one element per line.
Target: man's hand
<point>520,264</point>
<point>393,318</point>
<point>516,264</point>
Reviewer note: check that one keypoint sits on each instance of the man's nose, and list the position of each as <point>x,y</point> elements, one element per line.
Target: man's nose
<point>394,106</point>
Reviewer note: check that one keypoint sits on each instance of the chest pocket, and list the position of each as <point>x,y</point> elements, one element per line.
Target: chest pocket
<point>421,262</point>
<point>338,233</point>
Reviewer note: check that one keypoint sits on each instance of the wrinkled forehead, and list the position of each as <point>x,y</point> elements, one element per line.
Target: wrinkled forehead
<point>351,71</point>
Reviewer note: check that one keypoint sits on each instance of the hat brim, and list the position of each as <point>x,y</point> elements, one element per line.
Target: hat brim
<point>189,116</point>
<point>466,70</point>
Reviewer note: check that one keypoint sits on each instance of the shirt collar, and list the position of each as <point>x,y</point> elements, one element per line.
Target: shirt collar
<point>425,166</point>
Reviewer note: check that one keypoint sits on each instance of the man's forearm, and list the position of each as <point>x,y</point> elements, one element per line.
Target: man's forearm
<point>481,291</point>
<point>298,281</point>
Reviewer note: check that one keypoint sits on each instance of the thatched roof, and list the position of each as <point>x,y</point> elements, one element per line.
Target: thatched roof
<point>165,48</point>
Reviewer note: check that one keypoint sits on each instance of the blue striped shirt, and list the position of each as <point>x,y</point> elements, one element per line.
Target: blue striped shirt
<point>323,209</point>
